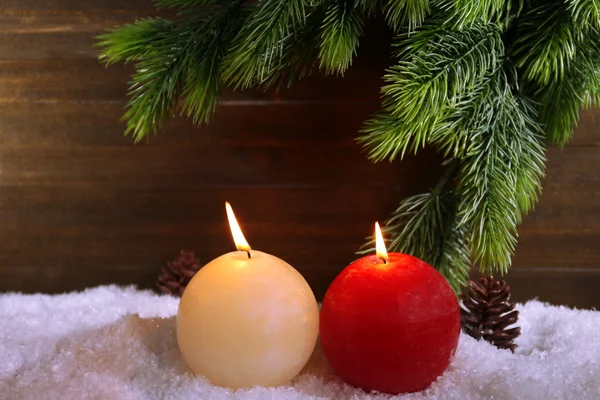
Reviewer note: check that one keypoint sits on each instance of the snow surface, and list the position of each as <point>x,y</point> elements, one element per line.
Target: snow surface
<point>119,343</point>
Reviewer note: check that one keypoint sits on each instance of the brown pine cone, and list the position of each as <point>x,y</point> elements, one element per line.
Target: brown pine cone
<point>176,275</point>
<point>487,312</point>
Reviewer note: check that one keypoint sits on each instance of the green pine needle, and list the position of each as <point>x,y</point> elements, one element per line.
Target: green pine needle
<point>546,44</point>
<point>575,88</point>
<point>585,13</point>
<point>133,41</point>
<point>173,60</point>
<point>299,52</point>
<point>406,13</point>
<point>341,30</point>
<point>466,12</point>
<point>260,43</point>
<point>492,172</point>
<point>438,67</point>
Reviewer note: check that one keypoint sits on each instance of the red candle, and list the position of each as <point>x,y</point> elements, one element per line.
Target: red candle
<point>389,323</point>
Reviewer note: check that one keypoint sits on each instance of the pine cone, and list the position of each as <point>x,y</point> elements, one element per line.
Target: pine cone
<point>486,313</point>
<point>176,275</point>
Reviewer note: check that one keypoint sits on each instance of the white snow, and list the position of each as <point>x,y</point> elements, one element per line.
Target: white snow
<point>119,343</point>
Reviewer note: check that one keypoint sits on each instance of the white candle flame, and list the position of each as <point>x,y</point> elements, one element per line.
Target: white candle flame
<point>380,245</point>
<point>238,236</point>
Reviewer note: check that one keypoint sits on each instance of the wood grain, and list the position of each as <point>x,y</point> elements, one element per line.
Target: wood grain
<point>81,205</point>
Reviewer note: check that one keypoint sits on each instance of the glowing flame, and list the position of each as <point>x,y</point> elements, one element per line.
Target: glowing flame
<point>238,236</point>
<point>379,244</point>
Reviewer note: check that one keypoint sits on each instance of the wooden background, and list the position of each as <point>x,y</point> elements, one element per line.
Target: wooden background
<point>80,205</point>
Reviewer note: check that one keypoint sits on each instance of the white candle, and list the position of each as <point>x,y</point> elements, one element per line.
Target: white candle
<point>247,318</point>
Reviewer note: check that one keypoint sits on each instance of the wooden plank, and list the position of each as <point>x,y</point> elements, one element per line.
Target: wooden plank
<point>278,124</point>
<point>57,6</point>
<point>79,208</point>
<point>587,133</point>
<point>88,80</point>
<point>153,166</point>
<point>553,249</point>
<point>91,22</point>
<point>65,229</point>
<point>570,200</point>
<point>61,80</point>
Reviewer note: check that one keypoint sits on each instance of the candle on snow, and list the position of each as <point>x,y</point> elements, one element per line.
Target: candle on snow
<point>389,323</point>
<point>247,318</point>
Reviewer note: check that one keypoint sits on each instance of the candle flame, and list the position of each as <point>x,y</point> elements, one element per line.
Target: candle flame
<point>236,232</point>
<point>380,245</point>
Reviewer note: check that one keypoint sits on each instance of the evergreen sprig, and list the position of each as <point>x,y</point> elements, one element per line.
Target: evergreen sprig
<point>406,13</point>
<point>438,66</point>
<point>341,29</point>
<point>260,43</point>
<point>488,83</point>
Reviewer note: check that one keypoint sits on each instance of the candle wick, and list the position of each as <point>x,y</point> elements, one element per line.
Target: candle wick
<point>248,251</point>
<point>383,259</point>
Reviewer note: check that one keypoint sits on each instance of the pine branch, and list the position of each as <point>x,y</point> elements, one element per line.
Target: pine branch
<point>492,173</point>
<point>561,102</point>
<point>568,81</point>
<point>173,59</point>
<point>259,44</point>
<point>369,7</point>
<point>406,13</point>
<point>466,120</point>
<point>299,52</point>
<point>585,13</point>
<point>440,65</point>
<point>546,42</point>
<point>202,83</point>
<point>341,30</point>
<point>530,152</point>
<point>466,12</point>
<point>577,89</point>
<point>135,41</point>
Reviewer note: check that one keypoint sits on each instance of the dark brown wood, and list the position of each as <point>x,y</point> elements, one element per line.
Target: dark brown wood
<point>558,286</point>
<point>81,205</point>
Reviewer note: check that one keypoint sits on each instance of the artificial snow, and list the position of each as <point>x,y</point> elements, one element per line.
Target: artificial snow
<point>119,343</point>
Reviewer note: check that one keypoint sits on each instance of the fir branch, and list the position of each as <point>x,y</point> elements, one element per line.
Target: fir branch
<point>577,88</point>
<point>440,66</point>
<point>299,52</point>
<point>259,44</point>
<point>173,59</point>
<point>133,41</point>
<point>560,103</point>
<point>467,119</point>
<point>466,12</point>
<point>340,32</point>
<point>530,153</point>
<point>585,13</point>
<point>493,171</point>
<point>369,7</point>
<point>443,64</point>
<point>202,82</point>
<point>546,42</point>
<point>152,94</point>
<point>406,13</point>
